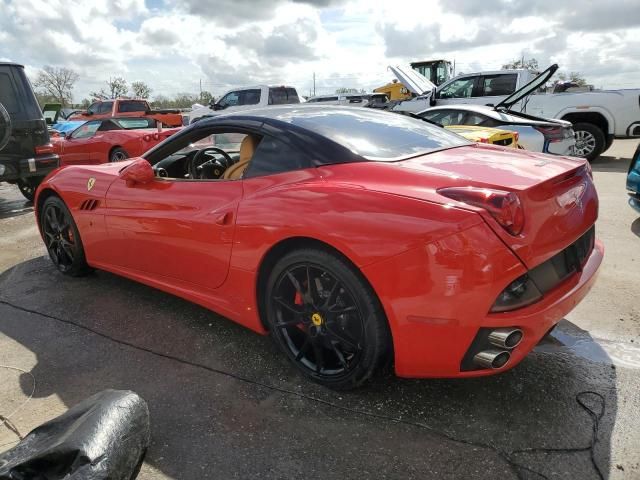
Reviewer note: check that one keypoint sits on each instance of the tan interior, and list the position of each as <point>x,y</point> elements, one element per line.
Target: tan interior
<point>247,147</point>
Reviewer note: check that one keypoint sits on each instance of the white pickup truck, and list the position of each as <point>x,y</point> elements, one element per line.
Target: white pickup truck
<point>597,116</point>
<point>245,98</point>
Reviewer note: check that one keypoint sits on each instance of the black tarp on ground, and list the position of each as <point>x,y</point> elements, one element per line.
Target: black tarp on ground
<point>103,437</point>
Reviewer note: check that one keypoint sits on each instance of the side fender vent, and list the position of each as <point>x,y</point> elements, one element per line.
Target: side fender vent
<point>90,204</point>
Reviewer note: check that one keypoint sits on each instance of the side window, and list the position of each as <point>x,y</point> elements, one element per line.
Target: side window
<point>87,130</point>
<point>8,96</point>
<point>108,125</point>
<point>495,85</point>
<point>105,107</point>
<point>94,108</point>
<point>231,99</point>
<point>132,106</point>
<point>250,97</point>
<point>283,96</point>
<point>274,156</point>
<point>446,117</point>
<point>479,120</point>
<point>460,88</point>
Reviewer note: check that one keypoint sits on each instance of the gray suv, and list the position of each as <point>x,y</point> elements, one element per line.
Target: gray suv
<point>26,154</point>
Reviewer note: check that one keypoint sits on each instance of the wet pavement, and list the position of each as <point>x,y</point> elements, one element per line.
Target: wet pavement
<point>225,404</point>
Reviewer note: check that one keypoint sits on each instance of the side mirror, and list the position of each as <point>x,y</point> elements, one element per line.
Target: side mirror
<point>88,113</point>
<point>68,135</point>
<point>432,98</point>
<point>217,106</point>
<point>138,172</point>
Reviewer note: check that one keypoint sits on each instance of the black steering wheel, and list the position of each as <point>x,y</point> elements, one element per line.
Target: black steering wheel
<point>205,165</point>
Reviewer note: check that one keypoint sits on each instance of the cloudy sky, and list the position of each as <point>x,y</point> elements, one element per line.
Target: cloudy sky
<point>175,45</point>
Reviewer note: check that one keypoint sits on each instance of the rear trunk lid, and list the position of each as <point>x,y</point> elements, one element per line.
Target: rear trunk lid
<point>557,193</point>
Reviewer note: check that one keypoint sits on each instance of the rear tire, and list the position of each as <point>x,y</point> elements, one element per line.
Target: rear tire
<point>28,186</point>
<point>118,155</point>
<point>327,320</point>
<point>590,141</point>
<point>62,239</point>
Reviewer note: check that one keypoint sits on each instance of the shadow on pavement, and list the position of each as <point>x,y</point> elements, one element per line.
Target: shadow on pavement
<point>246,413</point>
<point>14,206</point>
<point>610,164</point>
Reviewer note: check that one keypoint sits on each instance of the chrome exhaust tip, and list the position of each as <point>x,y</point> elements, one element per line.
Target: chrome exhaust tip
<point>491,358</point>
<point>506,337</point>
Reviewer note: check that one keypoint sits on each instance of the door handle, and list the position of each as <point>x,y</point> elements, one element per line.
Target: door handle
<point>224,219</point>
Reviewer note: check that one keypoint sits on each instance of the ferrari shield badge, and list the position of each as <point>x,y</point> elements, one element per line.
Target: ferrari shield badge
<point>90,183</point>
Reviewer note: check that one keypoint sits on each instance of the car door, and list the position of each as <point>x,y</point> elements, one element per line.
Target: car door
<point>174,229</point>
<point>495,88</point>
<point>76,149</point>
<point>460,90</point>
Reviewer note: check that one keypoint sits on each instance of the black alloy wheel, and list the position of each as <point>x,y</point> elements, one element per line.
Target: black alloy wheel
<point>327,320</point>
<point>118,155</point>
<point>61,238</point>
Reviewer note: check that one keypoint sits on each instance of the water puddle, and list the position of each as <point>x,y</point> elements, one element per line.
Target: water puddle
<point>580,343</point>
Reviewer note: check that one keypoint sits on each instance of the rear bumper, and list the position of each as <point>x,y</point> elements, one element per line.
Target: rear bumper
<point>39,166</point>
<point>435,312</point>
<point>565,147</point>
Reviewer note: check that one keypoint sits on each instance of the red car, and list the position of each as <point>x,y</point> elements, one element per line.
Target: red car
<point>354,237</point>
<point>108,140</point>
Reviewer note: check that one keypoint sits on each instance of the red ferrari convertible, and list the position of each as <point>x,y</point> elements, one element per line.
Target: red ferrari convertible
<point>108,140</point>
<point>354,237</point>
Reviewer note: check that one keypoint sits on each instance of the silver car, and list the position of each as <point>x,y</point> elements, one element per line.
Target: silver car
<point>535,133</point>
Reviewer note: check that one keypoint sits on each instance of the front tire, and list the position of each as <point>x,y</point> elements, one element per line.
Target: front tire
<point>590,141</point>
<point>326,319</point>
<point>62,239</point>
<point>118,155</point>
<point>28,186</point>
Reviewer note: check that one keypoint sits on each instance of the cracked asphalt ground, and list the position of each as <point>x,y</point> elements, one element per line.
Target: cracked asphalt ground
<point>225,404</point>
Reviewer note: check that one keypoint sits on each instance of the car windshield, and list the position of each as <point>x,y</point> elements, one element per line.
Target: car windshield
<point>134,123</point>
<point>229,142</point>
<point>374,135</point>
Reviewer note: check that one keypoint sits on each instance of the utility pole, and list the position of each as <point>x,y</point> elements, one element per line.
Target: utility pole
<point>314,84</point>
<point>200,89</point>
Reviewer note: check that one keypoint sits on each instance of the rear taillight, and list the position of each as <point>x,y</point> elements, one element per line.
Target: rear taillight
<point>44,149</point>
<point>504,207</point>
<point>552,134</point>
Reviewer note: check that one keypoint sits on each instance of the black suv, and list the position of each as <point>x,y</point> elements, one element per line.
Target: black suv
<point>26,154</point>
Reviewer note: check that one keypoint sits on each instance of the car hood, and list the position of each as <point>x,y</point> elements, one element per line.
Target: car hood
<point>414,81</point>
<point>528,88</point>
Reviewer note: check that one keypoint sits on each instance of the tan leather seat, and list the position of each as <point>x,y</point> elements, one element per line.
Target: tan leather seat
<point>247,147</point>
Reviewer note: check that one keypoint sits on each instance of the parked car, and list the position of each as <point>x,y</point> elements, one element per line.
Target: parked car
<point>355,237</point>
<point>597,116</point>
<point>244,99</point>
<point>350,99</point>
<point>633,181</point>
<point>492,136</point>
<point>109,140</point>
<point>534,134</point>
<point>124,107</point>
<point>26,153</point>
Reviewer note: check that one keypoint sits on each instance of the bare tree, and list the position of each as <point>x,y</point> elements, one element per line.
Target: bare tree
<point>57,82</point>
<point>117,87</point>
<point>140,90</point>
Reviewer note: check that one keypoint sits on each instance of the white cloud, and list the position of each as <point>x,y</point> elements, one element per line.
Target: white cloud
<point>346,43</point>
